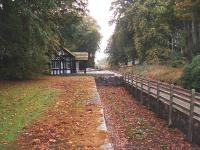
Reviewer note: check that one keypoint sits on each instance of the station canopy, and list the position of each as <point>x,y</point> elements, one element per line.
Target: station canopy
<point>80,55</point>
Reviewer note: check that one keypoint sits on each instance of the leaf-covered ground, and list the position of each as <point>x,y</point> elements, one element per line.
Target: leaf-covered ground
<point>133,127</point>
<point>69,123</point>
<point>20,103</point>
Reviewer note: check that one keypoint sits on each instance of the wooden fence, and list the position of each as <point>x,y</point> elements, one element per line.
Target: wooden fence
<point>185,101</point>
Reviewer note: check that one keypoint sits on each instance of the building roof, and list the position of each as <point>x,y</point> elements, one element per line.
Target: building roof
<point>77,55</point>
<point>81,55</point>
<point>68,51</point>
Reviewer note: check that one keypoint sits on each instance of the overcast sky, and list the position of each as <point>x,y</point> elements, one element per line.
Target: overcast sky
<point>99,10</point>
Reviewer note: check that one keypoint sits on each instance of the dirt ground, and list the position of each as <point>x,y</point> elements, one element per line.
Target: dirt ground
<point>70,124</point>
<point>133,127</point>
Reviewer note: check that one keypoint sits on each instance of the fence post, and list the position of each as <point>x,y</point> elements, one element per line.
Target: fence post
<point>132,84</point>
<point>171,105</point>
<point>190,131</point>
<point>129,82</point>
<point>158,97</point>
<point>136,86</point>
<point>122,78</point>
<point>149,93</point>
<point>125,80</point>
<point>141,93</point>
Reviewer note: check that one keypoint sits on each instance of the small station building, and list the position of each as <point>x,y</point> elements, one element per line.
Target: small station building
<point>65,62</point>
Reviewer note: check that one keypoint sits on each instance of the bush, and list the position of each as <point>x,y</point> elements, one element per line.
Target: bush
<point>178,63</point>
<point>177,60</point>
<point>191,75</point>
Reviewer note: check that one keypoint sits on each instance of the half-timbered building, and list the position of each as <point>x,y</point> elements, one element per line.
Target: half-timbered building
<point>66,62</point>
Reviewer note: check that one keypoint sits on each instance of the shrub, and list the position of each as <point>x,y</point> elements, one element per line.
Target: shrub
<point>191,74</point>
<point>178,63</point>
<point>177,60</point>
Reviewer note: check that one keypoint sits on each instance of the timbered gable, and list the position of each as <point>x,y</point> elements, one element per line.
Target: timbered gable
<point>63,63</point>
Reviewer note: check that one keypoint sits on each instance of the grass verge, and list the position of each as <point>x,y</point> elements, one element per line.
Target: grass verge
<point>20,103</point>
<point>72,123</point>
<point>157,72</point>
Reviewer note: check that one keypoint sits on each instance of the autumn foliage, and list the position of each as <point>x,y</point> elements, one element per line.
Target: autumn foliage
<point>70,122</point>
<point>133,126</point>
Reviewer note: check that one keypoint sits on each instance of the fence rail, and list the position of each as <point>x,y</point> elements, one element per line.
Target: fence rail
<point>183,100</point>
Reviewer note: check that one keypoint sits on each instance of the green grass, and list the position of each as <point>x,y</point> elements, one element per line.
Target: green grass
<point>20,104</point>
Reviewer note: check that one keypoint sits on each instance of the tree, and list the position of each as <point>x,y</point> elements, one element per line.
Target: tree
<point>191,74</point>
<point>158,29</point>
<point>82,34</point>
<point>189,12</point>
<point>120,48</point>
<point>30,33</point>
<point>149,36</point>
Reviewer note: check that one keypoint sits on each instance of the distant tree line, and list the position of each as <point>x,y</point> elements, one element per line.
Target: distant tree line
<point>154,31</point>
<point>32,30</point>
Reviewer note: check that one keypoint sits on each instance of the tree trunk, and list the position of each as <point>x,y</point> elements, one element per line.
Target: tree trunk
<point>133,57</point>
<point>198,37</point>
<point>194,41</point>
<point>189,43</point>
